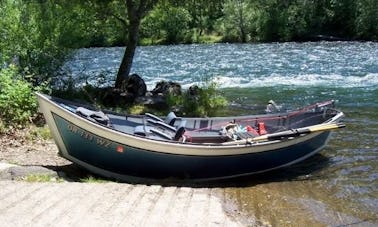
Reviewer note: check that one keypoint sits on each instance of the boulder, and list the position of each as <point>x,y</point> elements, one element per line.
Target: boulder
<point>134,85</point>
<point>194,90</point>
<point>20,172</point>
<point>165,88</point>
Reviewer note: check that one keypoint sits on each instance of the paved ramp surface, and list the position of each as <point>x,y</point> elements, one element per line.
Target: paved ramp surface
<point>113,204</point>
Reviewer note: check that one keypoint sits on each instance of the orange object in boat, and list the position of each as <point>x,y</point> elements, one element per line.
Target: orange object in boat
<point>261,127</point>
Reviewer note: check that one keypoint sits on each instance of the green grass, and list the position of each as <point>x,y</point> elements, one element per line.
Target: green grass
<point>208,39</point>
<point>33,178</point>
<point>137,109</point>
<point>92,179</point>
<point>36,133</point>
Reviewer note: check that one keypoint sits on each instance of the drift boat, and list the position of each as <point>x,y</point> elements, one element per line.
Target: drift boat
<point>141,147</point>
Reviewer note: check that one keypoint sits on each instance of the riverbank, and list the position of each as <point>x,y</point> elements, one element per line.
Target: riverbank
<point>294,197</point>
<point>27,155</point>
<point>20,148</point>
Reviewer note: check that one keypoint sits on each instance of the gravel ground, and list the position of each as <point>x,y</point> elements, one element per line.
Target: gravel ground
<point>33,156</point>
<point>17,149</point>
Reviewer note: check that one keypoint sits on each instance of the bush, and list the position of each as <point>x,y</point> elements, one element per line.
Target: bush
<point>206,101</point>
<point>18,104</point>
<point>167,24</point>
<point>32,37</point>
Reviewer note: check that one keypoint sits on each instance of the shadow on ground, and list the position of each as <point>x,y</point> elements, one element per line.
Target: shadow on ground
<point>308,169</point>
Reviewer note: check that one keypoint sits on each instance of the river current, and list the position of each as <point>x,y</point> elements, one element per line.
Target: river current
<point>337,187</point>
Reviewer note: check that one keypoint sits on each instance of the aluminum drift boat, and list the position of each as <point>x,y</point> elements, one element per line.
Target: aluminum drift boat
<point>141,147</point>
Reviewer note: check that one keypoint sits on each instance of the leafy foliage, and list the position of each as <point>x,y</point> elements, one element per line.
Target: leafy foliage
<point>167,23</point>
<point>206,101</point>
<point>39,36</point>
<point>267,21</point>
<point>18,104</point>
<point>366,21</point>
<point>31,38</point>
<point>273,20</point>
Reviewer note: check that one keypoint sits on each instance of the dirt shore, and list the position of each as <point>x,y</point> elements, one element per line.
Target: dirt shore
<point>32,156</point>
<point>18,148</point>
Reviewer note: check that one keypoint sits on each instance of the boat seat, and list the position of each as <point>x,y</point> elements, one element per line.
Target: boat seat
<point>95,116</point>
<point>170,119</point>
<point>161,124</point>
<point>170,136</point>
<point>142,130</point>
<point>160,129</point>
<point>213,137</point>
<point>145,129</point>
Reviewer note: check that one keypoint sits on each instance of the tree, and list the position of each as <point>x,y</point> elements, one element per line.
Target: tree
<point>366,23</point>
<point>136,11</point>
<point>32,37</point>
<point>168,23</point>
<point>239,20</point>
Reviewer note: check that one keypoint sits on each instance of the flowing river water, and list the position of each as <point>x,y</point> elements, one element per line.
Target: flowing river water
<point>338,186</point>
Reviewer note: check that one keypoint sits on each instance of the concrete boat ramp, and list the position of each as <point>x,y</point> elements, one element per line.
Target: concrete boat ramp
<point>114,204</point>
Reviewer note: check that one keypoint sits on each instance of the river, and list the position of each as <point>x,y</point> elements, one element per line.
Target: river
<point>337,187</point>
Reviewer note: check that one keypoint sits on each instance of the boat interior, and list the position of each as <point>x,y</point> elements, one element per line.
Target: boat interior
<point>205,130</point>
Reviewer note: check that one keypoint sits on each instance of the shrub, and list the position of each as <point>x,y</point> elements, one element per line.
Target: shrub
<point>32,37</point>
<point>39,133</point>
<point>206,101</point>
<point>167,23</point>
<point>18,104</point>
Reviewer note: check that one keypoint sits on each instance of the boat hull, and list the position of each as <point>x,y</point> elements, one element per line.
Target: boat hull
<point>126,157</point>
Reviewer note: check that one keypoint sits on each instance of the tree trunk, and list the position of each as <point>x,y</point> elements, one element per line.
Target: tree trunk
<point>127,60</point>
<point>243,34</point>
<point>136,10</point>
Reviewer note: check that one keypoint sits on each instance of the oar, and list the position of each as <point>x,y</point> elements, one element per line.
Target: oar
<point>290,133</point>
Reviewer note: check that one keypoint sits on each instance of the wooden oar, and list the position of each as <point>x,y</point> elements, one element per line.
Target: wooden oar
<point>289,133</point>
